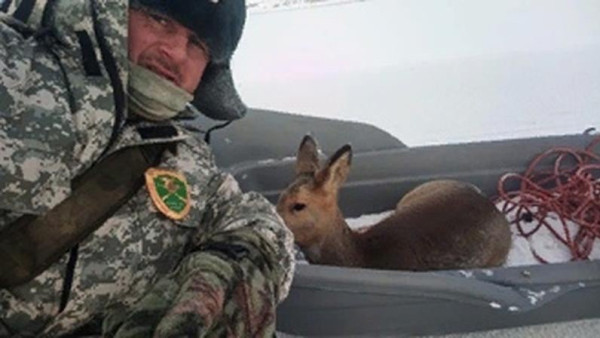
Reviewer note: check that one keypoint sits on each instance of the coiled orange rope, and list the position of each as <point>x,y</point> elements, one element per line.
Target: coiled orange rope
<point>571,190</point>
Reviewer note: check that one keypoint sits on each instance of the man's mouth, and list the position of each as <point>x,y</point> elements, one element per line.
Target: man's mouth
<point>161,71</point>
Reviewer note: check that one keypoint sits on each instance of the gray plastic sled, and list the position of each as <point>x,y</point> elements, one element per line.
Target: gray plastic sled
<point>330,301</point>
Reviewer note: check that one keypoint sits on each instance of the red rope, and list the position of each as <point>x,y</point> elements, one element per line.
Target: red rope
<point>571,190</point>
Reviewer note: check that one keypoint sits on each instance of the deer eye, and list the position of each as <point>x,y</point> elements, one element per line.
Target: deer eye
<point>298,206</point>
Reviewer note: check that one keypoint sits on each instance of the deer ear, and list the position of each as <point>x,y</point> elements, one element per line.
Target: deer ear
<point>335,173</point>
<point>307,160</point>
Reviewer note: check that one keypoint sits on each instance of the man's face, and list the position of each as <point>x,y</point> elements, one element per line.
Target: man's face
<point>167,48</point>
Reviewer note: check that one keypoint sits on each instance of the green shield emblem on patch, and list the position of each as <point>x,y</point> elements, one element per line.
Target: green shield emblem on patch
<point>169,192</point>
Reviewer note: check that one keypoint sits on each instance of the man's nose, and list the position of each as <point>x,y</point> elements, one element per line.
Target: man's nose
<point>176,47</point>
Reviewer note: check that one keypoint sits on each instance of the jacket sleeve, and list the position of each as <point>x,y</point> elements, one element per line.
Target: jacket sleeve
<point>230,283</point>
<point>36,136</point>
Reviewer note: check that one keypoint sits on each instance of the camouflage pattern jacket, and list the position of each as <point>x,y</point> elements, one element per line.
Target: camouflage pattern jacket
<point>219,271</point>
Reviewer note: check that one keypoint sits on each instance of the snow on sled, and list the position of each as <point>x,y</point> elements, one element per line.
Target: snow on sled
<point>327,300</point>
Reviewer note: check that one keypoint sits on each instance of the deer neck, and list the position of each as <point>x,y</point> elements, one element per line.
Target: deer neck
<point>338,247</point>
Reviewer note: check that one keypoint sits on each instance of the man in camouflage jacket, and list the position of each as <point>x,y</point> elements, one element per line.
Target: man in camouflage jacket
<point>64,74</point>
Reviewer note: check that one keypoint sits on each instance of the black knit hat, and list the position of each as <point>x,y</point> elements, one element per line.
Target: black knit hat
<point>219,23</point>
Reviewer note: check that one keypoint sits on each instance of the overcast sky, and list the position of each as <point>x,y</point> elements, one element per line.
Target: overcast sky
<point>430,71</point>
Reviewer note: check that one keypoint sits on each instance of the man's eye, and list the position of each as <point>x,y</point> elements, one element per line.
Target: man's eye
<point>198,43</point>
<point>160,19</point>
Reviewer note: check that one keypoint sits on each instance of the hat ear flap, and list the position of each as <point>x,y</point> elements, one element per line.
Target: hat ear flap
<point>216,96</point>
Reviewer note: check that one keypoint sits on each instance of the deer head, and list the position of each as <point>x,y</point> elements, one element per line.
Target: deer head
<point>309,205</point>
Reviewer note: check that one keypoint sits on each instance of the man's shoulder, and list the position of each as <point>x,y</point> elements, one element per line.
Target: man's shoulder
<point>194,142</point>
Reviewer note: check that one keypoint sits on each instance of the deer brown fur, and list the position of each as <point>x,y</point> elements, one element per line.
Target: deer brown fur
<point>441,224</point>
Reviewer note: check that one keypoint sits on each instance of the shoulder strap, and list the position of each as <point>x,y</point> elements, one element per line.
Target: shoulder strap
<point>31,244</point>
<point>24,10</point>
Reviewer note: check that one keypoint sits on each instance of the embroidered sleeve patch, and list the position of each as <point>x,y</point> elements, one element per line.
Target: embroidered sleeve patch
<point>169,192</point>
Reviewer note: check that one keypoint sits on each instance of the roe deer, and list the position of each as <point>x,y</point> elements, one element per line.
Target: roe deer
<point>442,224</point>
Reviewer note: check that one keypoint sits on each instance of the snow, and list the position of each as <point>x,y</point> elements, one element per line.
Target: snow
<point>495,305</point>
<point>428,72</point>
<point>466,274</point>
<point>366,220</point>
<point>488,273</point>
<point>262,6</point>
<point>544,243</point>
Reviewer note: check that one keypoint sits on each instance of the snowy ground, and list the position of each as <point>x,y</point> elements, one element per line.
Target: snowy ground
<point>263,6</point>
<point>428,72</point>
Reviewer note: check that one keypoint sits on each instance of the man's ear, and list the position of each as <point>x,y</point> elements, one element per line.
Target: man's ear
<point>333,176</point>
<point>307,159</point>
